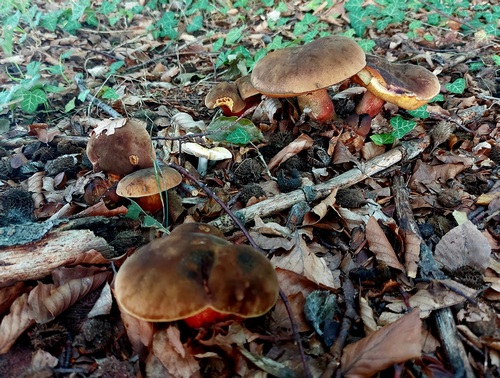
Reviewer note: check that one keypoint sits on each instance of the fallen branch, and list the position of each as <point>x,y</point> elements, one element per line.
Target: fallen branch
<point>280,202</point>
<point>34,261</point>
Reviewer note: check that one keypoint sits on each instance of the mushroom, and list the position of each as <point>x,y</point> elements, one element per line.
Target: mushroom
<point>205,154</point>
<point>405,85</point>
<point>197,277</point>
<point>146,185</point>
<point>233,98</point>
<point>306,71</point>
<point>126,150</point>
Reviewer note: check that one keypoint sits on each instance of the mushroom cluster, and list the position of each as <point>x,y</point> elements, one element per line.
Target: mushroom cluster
<point>194,274</point>
<point>307,71</point>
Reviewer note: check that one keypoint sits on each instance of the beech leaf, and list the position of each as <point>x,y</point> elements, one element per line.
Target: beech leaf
<point>380,246</point>
<point>15,323</point>
<point>392,344</point>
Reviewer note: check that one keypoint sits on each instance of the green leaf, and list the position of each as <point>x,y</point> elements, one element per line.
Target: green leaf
<point>33,68</point>
<point>114,67</point>
<point>83,95</point>
<point>70,105</point>
<point>49,21</point>
<point>367,44</point>
<point>457,87</point>
<point>496,59</point>
<point>196,24</point>
<point>234,35</point>
<point>401,126</point>
<point>149,221</point>
<point>420,112</point>
<point>381,139</point>
<point>167,25</point>
<point>438,97</point>
<point>224,126</point>
<point>217,45</point>
<point>110,94</point>
<point>31,100</point>
<point>239,136</point>
<point>78,8</point>
<point>133,211</point>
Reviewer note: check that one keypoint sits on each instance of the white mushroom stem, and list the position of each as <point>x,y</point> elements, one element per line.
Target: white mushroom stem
<point>205,154</point>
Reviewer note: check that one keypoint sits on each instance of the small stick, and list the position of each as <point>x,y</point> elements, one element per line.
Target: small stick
<point>94,100</point>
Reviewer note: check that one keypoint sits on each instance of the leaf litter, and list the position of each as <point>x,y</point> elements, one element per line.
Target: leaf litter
<point>328,245</point>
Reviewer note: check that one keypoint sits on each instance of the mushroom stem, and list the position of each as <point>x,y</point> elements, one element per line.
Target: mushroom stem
<point>202,166</point>
<point>370,104</point>
<point>319,103</point>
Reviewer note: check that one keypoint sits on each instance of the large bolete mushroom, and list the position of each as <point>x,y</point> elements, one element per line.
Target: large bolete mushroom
<point>196,277</point>
<point>405,85</point>
<point>146,186</point>
<point>306,71</point>
<point>126,150</point>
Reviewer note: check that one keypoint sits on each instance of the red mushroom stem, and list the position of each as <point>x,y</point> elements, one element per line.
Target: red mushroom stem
<point>370,104</point>
<point>320,104</point>
<point>208,317</point>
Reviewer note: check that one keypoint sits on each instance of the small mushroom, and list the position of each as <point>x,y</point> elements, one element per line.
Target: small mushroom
<point>233,98</point>
<point>197,277</point>
<point>306,71</point>
<point>146,185</point>
<point>126,150</point>
<point>405,85</point>
<point>205,154</point>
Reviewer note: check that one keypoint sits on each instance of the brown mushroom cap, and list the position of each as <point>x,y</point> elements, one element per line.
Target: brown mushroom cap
<point>147,182</point>
<point>245,87</point>
<point>225,94</point>
<point>123,152</point>
<point>405,85</point>
<point>298,70</point>
<point>182,275</point>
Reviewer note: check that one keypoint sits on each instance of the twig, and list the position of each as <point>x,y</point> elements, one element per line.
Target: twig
<point>283,201</point>
<point>241,226</point>
<point>94,100</point>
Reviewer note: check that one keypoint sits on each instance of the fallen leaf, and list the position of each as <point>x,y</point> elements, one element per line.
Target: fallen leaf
<point>434,296</point>
<point>303,261</point>
<point>168,348</point>
<point>463,245</point>
<point>319,211</point>
<point>392,344</point>
<point>303,142</point>
<point>103,304</point>
<point>380,246</point>
<point>108,126</point>
<point>15,323</point>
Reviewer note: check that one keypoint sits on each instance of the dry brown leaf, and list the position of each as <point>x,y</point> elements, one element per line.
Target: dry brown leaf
<point>463,245</point>
<point>42,132</point>
<point>168,348</point>
<point>412,253</point>
<point>9,294</point>
<point>296,289</point>
<point>392,344</point>
<point>303,142</point>
<point>43,359</point>
<point>435,295</point>
<point>425,174</point>
<point>380,246</point>
<point>303,261</point>
<point>103,304</point>
<point>140,333</point>
<point>367,316</point>
<point>318,212</point>
<point>108,126</point>
<point>47,301</point>
<point>15,323</point>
